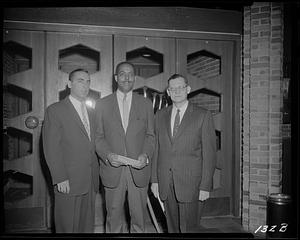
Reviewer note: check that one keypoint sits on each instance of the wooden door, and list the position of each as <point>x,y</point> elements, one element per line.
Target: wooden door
<point>154,61</point>
<point>208,66</point>
<point>23,112</point>
<point>67,52</point>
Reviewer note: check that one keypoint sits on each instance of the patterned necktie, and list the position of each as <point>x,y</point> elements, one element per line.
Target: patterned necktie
<point>176,123</point>
<point>125,112</point>
<point>85,119</point>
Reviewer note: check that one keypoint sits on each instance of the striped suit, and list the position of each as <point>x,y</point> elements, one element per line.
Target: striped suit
<point>184,164</point>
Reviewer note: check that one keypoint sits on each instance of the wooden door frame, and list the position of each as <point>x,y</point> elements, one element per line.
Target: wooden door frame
<point>29,213</point>
<point>233,105</point>
<point>169,33</point>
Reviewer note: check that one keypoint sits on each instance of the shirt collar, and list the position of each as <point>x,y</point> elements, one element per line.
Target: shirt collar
<point>74,100</point>
<point>120,94</point>
<point>182,108</point>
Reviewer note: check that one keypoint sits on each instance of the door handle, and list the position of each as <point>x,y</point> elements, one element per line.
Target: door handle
<point>32,122</point>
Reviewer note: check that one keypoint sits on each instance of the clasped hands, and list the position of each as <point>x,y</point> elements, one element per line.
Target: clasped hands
<point>112,158</point>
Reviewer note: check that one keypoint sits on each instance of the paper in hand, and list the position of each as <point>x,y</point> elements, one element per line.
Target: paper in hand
<point>127,160</point>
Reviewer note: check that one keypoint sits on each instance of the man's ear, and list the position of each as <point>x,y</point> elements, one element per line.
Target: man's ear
<point>188,89</point>
<point>168,92</point>
<point>69,84</point>
<point>115,77</point>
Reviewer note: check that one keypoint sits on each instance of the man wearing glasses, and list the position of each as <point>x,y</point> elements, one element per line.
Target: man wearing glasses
<point>185,158</point>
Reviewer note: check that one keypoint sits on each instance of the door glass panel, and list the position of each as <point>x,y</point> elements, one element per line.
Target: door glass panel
<point>17,101</point>
<point>16,58</point>
<point>79,56</point>
<point>146,61</point>
<point>203,64</point>
<point>18,143</point>
<point>207,99</point>
<point>206,66</point>
<point>17,186</point>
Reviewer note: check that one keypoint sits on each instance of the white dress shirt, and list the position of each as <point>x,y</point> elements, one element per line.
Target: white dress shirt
<point>181,113</point>
<point>120,96</point>
<point>77,105</point>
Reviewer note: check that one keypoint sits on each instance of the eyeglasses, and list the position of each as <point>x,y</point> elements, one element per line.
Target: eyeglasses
<point>178,89</point>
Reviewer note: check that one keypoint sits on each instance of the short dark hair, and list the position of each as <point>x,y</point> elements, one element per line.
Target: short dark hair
<point>77,70</point>
<point>124,62</point>
<point>177,75</point>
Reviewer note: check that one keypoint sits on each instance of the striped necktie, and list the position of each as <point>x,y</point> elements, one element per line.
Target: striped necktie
<point>85,119</point>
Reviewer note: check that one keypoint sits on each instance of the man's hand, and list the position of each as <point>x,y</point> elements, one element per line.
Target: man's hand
<point>112,158</point>
<point>203,195</point>
<point>143,161</point>
<point>63,187</point>
<point>154,189</point>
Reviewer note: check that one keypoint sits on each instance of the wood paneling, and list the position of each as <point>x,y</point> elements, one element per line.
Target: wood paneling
<point>175,18</point>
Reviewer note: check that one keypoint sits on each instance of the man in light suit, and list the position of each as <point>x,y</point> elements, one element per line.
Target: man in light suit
<point>184,163</point>
<point>69,147</point>
<point>125,126</point>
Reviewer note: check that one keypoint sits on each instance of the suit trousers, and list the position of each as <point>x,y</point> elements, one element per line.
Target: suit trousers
<point>182,217</point>
<point>137,203</point>
<point>74,214</point>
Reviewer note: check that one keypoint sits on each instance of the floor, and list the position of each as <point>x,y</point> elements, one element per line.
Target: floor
<point>209,225</point>
<point>226,224</point>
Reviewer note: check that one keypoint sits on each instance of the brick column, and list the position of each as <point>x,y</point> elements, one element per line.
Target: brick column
<point>261,109</point>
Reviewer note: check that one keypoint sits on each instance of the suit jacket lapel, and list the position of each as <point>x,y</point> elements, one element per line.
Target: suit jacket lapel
<point>75,115</point>
<point>168,122</point>
<point>132,112</point>
<point>116,114</point>
<point>185,120</point>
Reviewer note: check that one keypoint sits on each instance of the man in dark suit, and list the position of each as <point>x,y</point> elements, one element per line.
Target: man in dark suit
<point>125,126</point>
<point>69,147</point>
<point>184,163</point>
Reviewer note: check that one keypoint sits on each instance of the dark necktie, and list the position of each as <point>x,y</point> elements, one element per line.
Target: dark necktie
<point>176,123</point>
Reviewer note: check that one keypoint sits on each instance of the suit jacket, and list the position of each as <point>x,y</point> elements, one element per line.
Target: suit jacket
<point>111,137</point>
<point>69,153</point>
<point>191,154</point>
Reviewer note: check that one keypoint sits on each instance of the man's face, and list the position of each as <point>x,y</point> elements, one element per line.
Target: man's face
<point>80,85</point>
<point>125,78</point>
<point>178,90</point>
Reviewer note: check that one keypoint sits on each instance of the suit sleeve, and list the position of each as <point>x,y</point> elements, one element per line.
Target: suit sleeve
<point>149,143</point>
<point>52,146</point>
<point>155,154</point>
<point>208,152</point>
<point>102,147</point>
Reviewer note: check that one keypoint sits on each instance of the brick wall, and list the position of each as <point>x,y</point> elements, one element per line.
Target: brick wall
<point>261,109</point>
